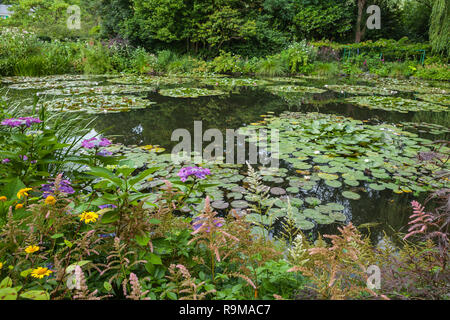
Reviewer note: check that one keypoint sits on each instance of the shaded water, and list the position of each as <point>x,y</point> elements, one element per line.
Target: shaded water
<point>155,126</point>
<point>245,105</point>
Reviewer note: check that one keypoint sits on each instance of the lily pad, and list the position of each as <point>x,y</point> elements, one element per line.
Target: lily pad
<point>351,195</point>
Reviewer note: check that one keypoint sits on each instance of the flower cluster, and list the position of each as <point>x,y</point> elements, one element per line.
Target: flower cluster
<point>95,143</point>
<point>18,122</point>
<point>197,172</point>
<point>63,187</point>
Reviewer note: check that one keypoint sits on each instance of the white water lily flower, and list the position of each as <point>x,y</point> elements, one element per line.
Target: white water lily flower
<point>317,152</point>
<point>366,160</point>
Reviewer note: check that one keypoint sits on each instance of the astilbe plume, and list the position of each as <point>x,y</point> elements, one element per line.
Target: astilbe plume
<point>135,221</point>
<point>210,232</point>
<point>339,271</point>
<point>252,251</point>
<point>120,260</point>
<point>298,253</point>
<point>186,286</point>
<point>136,289</point>
<point>81,289</point>
<point>86,245</point>
<point>12,233</point>
<point>420,221</point>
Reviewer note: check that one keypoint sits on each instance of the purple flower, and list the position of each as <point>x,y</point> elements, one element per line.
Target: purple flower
<point>27,121</point>
<point>24,158</point>
<point>104,206</point>
<point>30,120</point>
<point>88,144</point>
<point>104,142</point>
<point>196,172</point>
<point>64,187</point>
<point>11,123</point>
<point>104,153</point>
<point>95,142</point>
<point>107,235</point>
<point>6,160</point>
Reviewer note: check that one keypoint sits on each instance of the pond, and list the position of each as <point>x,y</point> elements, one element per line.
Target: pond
<point>325,181</point>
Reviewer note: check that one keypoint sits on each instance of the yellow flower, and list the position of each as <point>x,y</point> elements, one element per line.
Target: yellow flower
<point>40,272</point>
<point>19,206</point>
<point>31,249</point>
<point>1,265</point>
<point>50,200</point>
<point>3,198</point>
<point>88,217</point>
<point>23,192</point>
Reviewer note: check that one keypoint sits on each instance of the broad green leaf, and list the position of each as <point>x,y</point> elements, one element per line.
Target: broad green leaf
<point>8,294</point>
<point>35,295</point>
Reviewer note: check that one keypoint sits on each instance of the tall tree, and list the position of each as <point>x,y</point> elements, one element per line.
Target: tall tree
<point>440,26</point>
<point>359,33</point>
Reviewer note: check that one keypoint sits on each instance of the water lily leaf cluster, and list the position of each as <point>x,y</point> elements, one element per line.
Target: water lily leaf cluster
<point>396,104</point>
<point>342,151</point>
<point>111,89</point>
<point>189,92</point>
<point>359,89</point>
<point>97,104</point>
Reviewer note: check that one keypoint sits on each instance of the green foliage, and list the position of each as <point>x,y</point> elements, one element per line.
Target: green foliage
<point>95,59</point>
<point>298,55</point>
<point>49,18</point>
<point>272,66</point>
<point>228,63</point>
<point>440,27</point>
<point>22,53</point>
<point>433,71</point>
<point>416,19</point>
<point>331,18</point>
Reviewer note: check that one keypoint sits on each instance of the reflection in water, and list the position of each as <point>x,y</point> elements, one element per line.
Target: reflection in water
<point>156,124</point>
<point>246,105</point>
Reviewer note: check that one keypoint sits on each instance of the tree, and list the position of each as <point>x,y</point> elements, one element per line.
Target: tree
<point>440,26</point>
<point>391,20</point>
<point>226,25</point>
<point>323,19</point>
<point>48,18</point>
<point>416,19</point>
<point>360,32</point>
<point>114,14</point>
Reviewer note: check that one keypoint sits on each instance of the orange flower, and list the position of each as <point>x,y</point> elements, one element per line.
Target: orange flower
<point>19,206</point>
<point>3,198</point>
